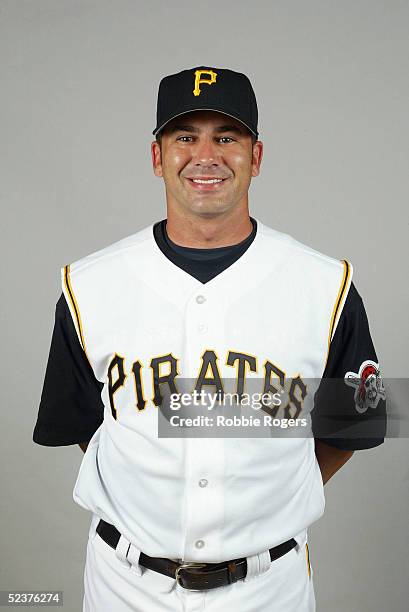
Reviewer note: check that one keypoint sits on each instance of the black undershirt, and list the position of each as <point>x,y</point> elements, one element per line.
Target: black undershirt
<point>203,264</point>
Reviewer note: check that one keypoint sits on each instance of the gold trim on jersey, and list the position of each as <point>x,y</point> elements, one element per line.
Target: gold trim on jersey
<point>75,307</point>
<point>307,552</point>
<point>341,293</point>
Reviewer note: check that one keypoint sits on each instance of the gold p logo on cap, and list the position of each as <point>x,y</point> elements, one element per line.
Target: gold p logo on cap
<point>199,80</point>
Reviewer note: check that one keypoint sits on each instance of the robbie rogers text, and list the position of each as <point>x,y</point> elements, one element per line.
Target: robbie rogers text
<point>235,421</point>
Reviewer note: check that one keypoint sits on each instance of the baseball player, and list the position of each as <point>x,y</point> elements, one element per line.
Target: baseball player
<point>209,295</point>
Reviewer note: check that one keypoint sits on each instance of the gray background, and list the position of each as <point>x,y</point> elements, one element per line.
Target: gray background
<point>79,81</point>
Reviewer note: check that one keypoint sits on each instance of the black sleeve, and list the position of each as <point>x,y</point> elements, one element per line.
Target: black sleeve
<point>350,405</point>
<point>71,408</point>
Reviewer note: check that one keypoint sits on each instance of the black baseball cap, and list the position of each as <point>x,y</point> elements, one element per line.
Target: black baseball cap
<point>204,88</point>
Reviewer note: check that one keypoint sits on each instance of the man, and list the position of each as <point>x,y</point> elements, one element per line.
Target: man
<point>208,296</point>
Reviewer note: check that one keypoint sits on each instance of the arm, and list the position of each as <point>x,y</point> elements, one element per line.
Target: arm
<point>71,408</point>
<point>335,414</point>
<point>330,459</point>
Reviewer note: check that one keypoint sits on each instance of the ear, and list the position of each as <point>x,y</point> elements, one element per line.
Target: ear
<point>156,158</point>
<point>256,158</point>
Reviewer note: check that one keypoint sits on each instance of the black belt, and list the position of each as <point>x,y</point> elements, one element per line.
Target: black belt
<point>194,575</point>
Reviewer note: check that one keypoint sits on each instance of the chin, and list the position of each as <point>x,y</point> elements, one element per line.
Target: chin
<point>209,208</point>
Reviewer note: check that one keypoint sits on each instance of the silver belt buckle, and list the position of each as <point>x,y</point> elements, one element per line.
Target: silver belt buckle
<point>183,566</point>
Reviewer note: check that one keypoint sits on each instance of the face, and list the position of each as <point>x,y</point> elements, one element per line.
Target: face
<point>207,160</point>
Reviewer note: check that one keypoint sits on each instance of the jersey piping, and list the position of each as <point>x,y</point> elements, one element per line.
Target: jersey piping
<point>343,290</point>
<point>74,307</point>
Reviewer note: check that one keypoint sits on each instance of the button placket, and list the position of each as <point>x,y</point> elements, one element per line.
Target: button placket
<point>202,533</point>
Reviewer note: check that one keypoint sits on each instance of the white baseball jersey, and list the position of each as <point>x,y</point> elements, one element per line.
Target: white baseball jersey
<point>139,317</point>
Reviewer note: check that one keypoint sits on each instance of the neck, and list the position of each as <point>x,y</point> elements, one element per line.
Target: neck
<point>208,232</point>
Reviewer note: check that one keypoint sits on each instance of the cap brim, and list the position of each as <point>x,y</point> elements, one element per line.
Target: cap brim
<point>191,110</point>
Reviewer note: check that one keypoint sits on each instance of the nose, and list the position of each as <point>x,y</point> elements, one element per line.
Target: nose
<point>205,152</point>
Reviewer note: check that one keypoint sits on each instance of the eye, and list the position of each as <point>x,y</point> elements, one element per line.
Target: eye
<point>226,138</point>
<point>185,138</point>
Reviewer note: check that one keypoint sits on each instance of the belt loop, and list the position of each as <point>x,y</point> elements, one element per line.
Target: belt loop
<point>133,557</point>
<point>264,561</point>
<point>257,564</point>
<point>121,551</point>
<point>301,540</point>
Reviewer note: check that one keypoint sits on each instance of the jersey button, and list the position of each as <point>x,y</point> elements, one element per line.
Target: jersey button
<point>200,299</point>
<point>203,482</point>
<point>199,544</point>
<point>202,327</point>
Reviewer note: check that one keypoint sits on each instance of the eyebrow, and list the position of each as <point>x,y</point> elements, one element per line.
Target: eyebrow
<point>193,130</point>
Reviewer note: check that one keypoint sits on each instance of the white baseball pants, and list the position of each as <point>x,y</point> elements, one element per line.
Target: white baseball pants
<point>115,582</point>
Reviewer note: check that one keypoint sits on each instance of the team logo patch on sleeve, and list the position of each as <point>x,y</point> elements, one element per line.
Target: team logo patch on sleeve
<point>368,386</point>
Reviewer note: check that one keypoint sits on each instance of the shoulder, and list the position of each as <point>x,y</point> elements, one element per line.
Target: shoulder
<point>93,278</point>
<point>299,251</point>
<point>111,254</point>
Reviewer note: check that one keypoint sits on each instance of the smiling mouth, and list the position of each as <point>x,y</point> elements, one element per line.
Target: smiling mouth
<point>206,184</point>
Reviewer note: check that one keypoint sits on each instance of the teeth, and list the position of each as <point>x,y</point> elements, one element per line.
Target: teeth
<point>207,182</point>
